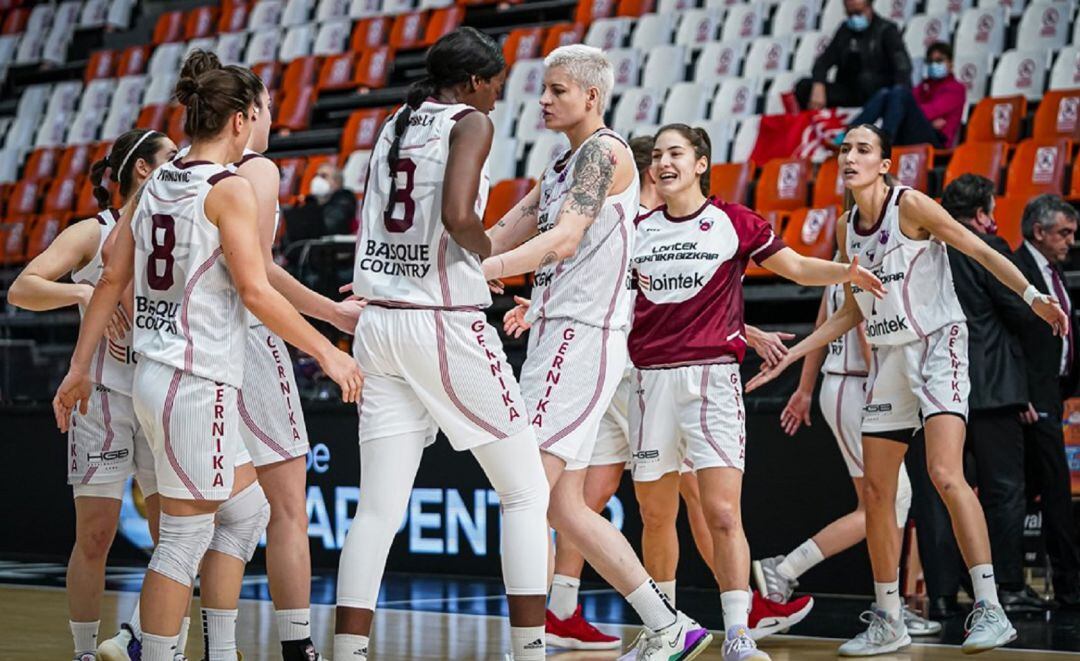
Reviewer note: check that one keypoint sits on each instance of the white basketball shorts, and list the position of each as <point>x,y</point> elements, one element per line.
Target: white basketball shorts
<point>271,420</point>
<point>612,441</point>
<point>693,413</point>
<point>435,369</point>
<point>107,445</point>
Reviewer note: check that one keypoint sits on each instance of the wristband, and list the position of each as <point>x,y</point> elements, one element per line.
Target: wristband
<point>1030,294</point>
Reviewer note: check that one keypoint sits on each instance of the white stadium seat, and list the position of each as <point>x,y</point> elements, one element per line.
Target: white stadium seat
<point>550,145</point>
<point>524,81</point>
<point>1020,72</point>
<point>265,14</point>
<point>719,60</point>
<point>981,31</point>
<point>736,97</point>
<point>897,11</point>
<point>923,30</point>
<point>745,139</point>
<point>653,30</point>
<point>768,57</point>
<point>697,27</point>
<point>330,9</point>
<point>608,33</point>
<point>951,7</point>
<point>231,47</point>
<point>664,66</point>
<point>743,22</point>
<point>795,17</point>
<point>296,12</point>
<point>1044,25</point>
<point>166,58</point>
<point>973,71</point>
<point>1066,72</point>
<point>636,105</point>
<point>811,45</point>
<point>1011,7</point>
<point>687,103</point>
<point>626,65</point>
<point>298,42</point>
<point>364,8</point>
<point>262,47</point>
<point>781,84</point>
<point>333,37</point>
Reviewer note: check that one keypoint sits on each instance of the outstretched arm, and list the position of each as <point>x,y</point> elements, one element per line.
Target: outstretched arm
<point>811,271</point>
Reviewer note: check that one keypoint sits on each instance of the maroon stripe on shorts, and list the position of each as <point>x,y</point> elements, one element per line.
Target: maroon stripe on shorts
<point>844,447</point>
<point>641,407</point>
<point>705,419</point>
<point>166,416</point>
<point>109,435</point>
<point>444,375</point>
<point>922,373</point>
<point>259,434</point>
<point>99,363</point>
<point>189,350</point>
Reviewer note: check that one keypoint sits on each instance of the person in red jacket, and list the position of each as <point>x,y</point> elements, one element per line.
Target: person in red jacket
<point>929,113</point>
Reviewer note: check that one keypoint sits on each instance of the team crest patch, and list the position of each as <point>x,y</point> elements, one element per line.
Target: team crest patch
<point>704,225</point>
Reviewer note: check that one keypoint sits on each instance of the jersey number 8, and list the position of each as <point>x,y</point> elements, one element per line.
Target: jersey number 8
<point>163,240</point>
<point>403,196</point>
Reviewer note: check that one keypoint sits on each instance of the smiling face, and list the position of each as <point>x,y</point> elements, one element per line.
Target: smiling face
<point>861,164</point>
<point>676,167</point>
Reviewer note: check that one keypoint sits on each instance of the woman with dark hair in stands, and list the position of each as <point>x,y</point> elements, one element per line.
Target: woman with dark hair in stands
<point>191,248</point>
<point>918,376</point>
<point>106,445</point>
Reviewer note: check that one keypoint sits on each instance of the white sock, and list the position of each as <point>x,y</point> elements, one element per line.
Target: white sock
<point>85,635</point>
<point>668,588</point>
<point>350,647</point>
<point>982,579</point>
<point>887,596</point>
<point>652,606</point>
<point>136,620</point>
<point>736,608</point>
<point>526,643</point>
<point>293,624</point>
<point>799,561</point>
<point>158,648</point>
<point>564,596</point>
<point>181,640</point>
<point>219,629</point>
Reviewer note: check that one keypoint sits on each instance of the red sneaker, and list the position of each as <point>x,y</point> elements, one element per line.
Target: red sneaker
<point>768,617</point>
<point>575,633</point>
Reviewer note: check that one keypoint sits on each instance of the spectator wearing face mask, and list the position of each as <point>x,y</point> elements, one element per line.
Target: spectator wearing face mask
<point>928,114</point>
<point>328,209</point>
<point>868,54</point>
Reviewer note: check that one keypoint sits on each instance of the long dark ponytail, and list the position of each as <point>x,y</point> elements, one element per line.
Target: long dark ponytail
<point>128,149</point>
<point>454,59</point>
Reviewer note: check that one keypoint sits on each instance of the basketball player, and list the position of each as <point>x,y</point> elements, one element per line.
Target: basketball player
<point>431,359</point>
<point>581,214</point>
<point>918,376</point>
<point>843,394</point>
<point>105,446</point>
<point>189,323</point>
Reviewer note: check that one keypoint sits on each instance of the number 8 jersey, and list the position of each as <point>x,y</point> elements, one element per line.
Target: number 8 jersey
<point>404,255</point>
<point>188,313</point>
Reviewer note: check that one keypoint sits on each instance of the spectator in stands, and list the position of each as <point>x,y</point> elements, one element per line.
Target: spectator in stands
<point>1049,228</point>
<point>928,114</point>
<point>328,209</point>
<point>868,54</point>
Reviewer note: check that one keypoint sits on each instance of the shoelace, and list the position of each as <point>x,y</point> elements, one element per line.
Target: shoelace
<point>878,631</point>
<point>980,618</point>
<point>740,644</point>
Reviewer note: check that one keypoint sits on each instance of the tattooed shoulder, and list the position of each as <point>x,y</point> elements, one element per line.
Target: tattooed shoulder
<point>594,171</point>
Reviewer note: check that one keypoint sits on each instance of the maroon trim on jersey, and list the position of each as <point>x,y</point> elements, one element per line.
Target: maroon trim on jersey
<point>254,429</point>
<point>870,381</point>
<point>217,178</point>
<point>107,419</point>
<point>249,157</point>
<point>691,216</point>
<point>189,350</point>
<point>704,419</point>
<point>182,165</point>
<point>899,194</point>
<point>906,296</point>
<point>448,386</point>
<point>101,216</point>
<point>881,216</point>
<point>768,250</point>
<point>844,447</point>
<point>166,415</point>
<point>462,113</point>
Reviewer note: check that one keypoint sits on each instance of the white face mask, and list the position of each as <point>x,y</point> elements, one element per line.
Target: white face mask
<point>320,186</point>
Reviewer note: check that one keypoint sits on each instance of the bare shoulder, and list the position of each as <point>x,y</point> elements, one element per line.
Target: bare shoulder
<point>258,168</point>
<point>228,193</point>
<point>917,202</point>
<point>473,123</point>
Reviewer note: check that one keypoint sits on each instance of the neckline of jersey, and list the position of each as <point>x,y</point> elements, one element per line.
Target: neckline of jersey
<point>881,216</point>
<point>691,216</point>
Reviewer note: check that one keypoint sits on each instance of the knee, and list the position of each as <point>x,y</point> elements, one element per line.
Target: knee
<point>877,493</point>
<point>723,519</point>
<point>183,542</point>
<point>290,512</point>
<point>946,479</point>
<point>241,522</point>
<point>94,544</point>
<point>534,496</point>
<point>656,516</point>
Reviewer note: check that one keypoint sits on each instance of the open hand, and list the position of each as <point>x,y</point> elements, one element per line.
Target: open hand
<point>796,413</point>
<point>74,391</point>
<point>514,323</point>
<point>768,373</point>
<point>865,280</point>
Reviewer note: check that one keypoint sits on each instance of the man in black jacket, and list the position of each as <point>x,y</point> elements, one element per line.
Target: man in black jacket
<point>1049,228</point>
<point>868,53</point>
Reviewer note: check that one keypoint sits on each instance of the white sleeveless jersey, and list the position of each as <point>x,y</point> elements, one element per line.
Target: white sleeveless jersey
<point>844,355</point>
<point>188,313</point>
<point>921,298</point>
<point>114,362</point>
<point>591,286</point>
<point>405,255</point>
<point>249,154</point>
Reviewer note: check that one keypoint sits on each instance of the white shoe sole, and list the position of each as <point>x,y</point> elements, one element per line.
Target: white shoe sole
<point>759,578</point>
<point>770,625</point>
<point>1009,636</point>
<point>885,649</point>
<point>575,644</point>
<point>110,650</point>
<point>932,631</point>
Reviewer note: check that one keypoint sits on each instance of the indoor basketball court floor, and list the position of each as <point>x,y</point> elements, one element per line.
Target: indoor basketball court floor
<point>436,617</point>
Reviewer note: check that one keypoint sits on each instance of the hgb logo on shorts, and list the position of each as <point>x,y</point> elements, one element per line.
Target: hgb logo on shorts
<point>877,408</point>
<point>646,455</point>
<point>107,456</point>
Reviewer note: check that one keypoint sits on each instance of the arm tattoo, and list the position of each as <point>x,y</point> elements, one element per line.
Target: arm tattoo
<point>526,212</point>
<point>593,174</point>
<point>548,260</point>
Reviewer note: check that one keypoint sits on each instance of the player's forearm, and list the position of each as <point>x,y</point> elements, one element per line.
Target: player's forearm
<point>37,294</point>
<point>546,249</point>
<point>1000,266</point>
<point>813,272</point>
<point>811,368</point>
<point>306,302</point>
<point>844,320</point>
<point>469,234</point>
<point>271,308</point>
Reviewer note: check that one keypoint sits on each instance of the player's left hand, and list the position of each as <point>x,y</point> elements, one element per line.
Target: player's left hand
<point>347,314</point>
<point>1048,308</point>
<point>118,324</point>
<point>796,413</point>
<point>496,286</point>
<point>514,323</point>
<point>767,373</point>
<point>864,279</point>
<point>770,346</point>
<point>74,391</point>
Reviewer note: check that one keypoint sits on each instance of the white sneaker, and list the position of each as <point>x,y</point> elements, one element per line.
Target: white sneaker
<point>121,647</point>
<point>770,582</point>
<point>739,646</point>
<point>987,627</point>
<point>682,640</point>
<point>882,636</point>
<point>85,656</point>
<point>917,625</point>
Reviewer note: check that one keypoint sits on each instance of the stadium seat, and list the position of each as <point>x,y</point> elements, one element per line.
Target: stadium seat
<point>262,46</point>
<point>336,72</point>
<point>66,95</point>
<point>637,105</point>
<point>795,17</point>
<point>370,33</point>
<point>166,58</point>
<point>697,27</point>
<point>174,124</point>
<point>973,71</point>
<point>41,164</point>
<point>736,97</point>
<point>269,73</point>
<point>743,22</point>
<point>443,22</point>
<point>742,146</point>
<point>234,15</point>
<point>24,197</point>
<point>588,11</point>
<point>302,71</point>
<point>502,117</point>
<point>13,230</point>
<point>1008,212</point>
<point>634,7</point>
<point>86,204</point>
<point>100,65</point>
<point>664,66</point>
<point>653,30</point>
<point>562,34</point>
<point>1013,8</point>
<point>74,161</point>
<point>373,67</point>
<point>354,172</point>
<point>981,158</point>
<point>981,32</point>
<point>503,159</point>
<point>997,119</point>
<point>952,7</point>
<point>530,125</point>
<point>922,30</point>
<point>522,43</point>
<point>361,129</point>
<point>783,83</point>
<point>200,22</point>
<point>408,30</point>
<point>290,170</point>
<point>720,131</point>
<point>811,45</point>
<point>828,186</point>
<point>626,65</point>
<point>718,61</point>
<point>296,12</point>
<point>911,163</point>
<point>153,116</point>
<point>15,20</point>
<point>60,195</point>
<point>1020,72</point>
<point>169,27</point>
<point>332,37</point>
<point>730,181</point>
<point>231,47</point>
<point>298,42</point>
<point>524,81</point>
<point>1066,71</point>
<point>549,146</point>
<point>781,186</point>
<point>133,60</point>
<point>1044,26</point>
<point>768,57</point>
<point>897,11</point>
<point>812,231</point>
<point>832,15</point>
<point>93,14</point>
<point>1037,167</point>
<point>208,44</point>
<point>504,195</point>
<point>608,33</point>
<point>364,8</point>
<point>294,110</point>
<point>264,15</point>
<point>1073,194</point>
<point>124,109</point>
<point>398,7</point>
<point>1056,116</point>
<point>328,10</point>
<point>687,103</point>
<point>43,230</point>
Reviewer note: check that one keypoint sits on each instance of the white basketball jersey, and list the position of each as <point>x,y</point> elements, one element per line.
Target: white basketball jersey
<point>114,362</point>
<point>188,313</point>
<point>253,321</point>
<point>404,254</point>
<point>844,355</point>
<point>921,298</point>
<point>591,286</point>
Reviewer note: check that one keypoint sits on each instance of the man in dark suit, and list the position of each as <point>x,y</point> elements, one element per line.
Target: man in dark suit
<point>1049,228</point>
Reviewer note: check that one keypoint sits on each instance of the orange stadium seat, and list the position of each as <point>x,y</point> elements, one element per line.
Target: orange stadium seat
<point>169,28</point>
<point>42,232</point>
<point>133,60</point>
<point>782,185</point>
<point>303,71</point>
<point>775,220</point>
<point>361,129</point>
<point>312,166</point>
<point>522,44</point>
<point>1058,116</point>
<point>290,169</point>
<point>200,22</point>
<point>234,16</point>
<point>373,67</point>
<point>370,33</point>
<point>41,163</point>
<point>174,127</point>
<point>504,195</point>
<point>100,65</point>
<point>1037,167</point>
<point>589,10</point>
<point>86,204</point>
<point>15,21</point>
<point>336,72</point>
<point>442,22</point>
<point>294,110</point>
<point>812,232</point>
<point>60,195</point>
<point>1007,213</point>
<point>408,30</point>
<point>24,198</point>
<point>153,116</point>
<point>729,181</point>
<point>911,163</point>
<point>982,158</point>
<point>75,161</point>
<point>269,73</point>
<point>562,34</point>
<point>13,232</point>
<point>635,8</point>
<point>828,187</point>
<point>996,119</point>
<point>1074,185</point>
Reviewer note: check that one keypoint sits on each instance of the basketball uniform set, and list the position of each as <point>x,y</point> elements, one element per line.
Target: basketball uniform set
<point>918,330</point>
<point>430,359</point>
<point>107,445</point>
<point>688,337</point>
<point>189,332</point>
<point>579,315</point>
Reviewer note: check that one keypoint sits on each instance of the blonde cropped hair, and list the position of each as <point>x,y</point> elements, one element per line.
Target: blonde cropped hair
<point>588,67</point>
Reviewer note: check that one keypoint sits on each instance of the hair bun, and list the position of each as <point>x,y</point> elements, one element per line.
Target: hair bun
<point>198,62</point>
<point>186,89</point>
